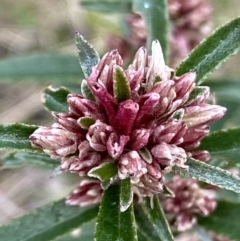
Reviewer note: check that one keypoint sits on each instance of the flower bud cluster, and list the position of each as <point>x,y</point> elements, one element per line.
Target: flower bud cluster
<point>151,123</point>
<point>188,201</point>
<point>189,25</point>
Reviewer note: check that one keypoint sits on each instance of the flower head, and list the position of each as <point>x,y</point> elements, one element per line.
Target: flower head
<point>190,23</point>
<point>188,201</point>
<point>143,119</point>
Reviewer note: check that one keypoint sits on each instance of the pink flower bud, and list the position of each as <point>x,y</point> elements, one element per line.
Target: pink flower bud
<point>139,138</point>
<point>131,165</point>
<point>98,135</point>
<point>203,114</point>
<point>88,192</point>
<point>125,117</point>
<point>153,179</point>
<point>184,85</point>
<point>169,155</point>
<point>55,141</point>
<point>84,107</point>
<point>81,165</point>
<point>193,136</point>
<point>116,144</point>
<point>147,103</point>
<point>200,155</point>
<point>69,122</point>
<point>171,132</point>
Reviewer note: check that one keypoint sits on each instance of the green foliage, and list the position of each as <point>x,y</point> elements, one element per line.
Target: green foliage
<point>155,14</point>
<point>88,56</point>
<point>16,137</point>
<point>19,159</point>
<point>157,217</point>
<point>116,217</point>
<point>225,220</point>
<point>126,194</point>
<point>145,228</point>
<point>224,145</point>
<point>226,92</point>
<point>107,6</point>
<point>85,233</point>
<point>48,222</point>
<point>121,85</point>
<point>213,51</point>
<point>42,66</point>
<point>112,224</point>
<point>104,171</point>
<point>210,174</point>
<point>56,99</point>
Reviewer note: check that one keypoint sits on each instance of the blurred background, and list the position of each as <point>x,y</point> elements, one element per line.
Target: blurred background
<point>32,27</point>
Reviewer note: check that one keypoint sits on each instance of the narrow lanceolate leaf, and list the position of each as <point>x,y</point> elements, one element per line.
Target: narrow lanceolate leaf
<point>157,217</point>
<point>48,222</point>
<point>146,231</point>
<point>126,194</point>
<point>121,86</point>
<point>86,91</point>
<point>213,51</point>
<point>55,99</point>
<point>223,145</point>
<point>83,233</point>
<point>106,6</point>
<point>41,67</point>
<point>104,172</point>
<point>16,137</point>
<point>210,174</point>
<point>155,14</point>
<point>88,56</point>
<point>19,159</point>
<point>112,224</point>
<point>224,221</point>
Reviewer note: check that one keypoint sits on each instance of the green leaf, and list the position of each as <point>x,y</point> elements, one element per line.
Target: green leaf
<point>56,99</point>
<point>121,86</point>
<point>88,56</point>
<point>112,224</point>
<point>86,91</point>
<point>210,174</point>
<point>41,66</point>
<point>146,231</point>
<point>48,222</point>
<point>155,14</point>
<point>157,217</point>
<point>213,51</point>
<point>225,220</point>
<point>85,233</point>
<point>145,154</point>
<point>85,122</point>
<point>104,172</point>
<point>19,159</point>
<point>126,194</point>
<point>16,137</point>
<point>116,6</point>
<point>223,145</point>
